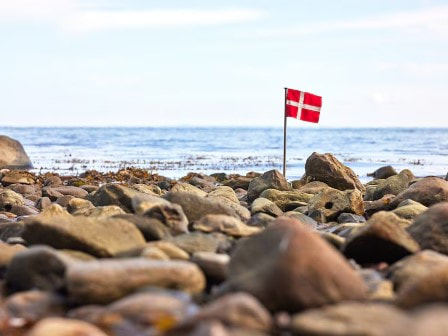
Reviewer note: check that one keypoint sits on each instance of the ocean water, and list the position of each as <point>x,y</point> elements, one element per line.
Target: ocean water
<point>175,151</point>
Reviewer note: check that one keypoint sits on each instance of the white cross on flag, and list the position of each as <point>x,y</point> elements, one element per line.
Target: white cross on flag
<point>303,105</point>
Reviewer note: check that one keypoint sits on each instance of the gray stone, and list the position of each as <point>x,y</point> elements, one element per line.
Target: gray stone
<point>12,154</point>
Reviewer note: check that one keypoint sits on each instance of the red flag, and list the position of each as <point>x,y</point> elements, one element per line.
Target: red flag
<point>303,105</point>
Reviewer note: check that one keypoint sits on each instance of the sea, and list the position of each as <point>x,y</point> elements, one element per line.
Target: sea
<point>175,151</point>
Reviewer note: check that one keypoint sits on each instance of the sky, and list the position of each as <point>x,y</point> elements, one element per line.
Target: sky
<point>376,63</point>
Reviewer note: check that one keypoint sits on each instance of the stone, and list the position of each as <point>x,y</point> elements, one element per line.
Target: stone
<point>393,185</point>
<point>9,198</point>
<point>214,265</point>
<point>71,190</point>
<point>64,200</point>
<point>195,206</point>
<point>100,237</point>
<point>42,203</point>
<point>430,229</point>
<point>170,214</point>
<point>103,211</point>
<point>280,268</point>
<point>346,229</point>
<point>152,252</point>
<point>226,224</point>
<point>12,154</point>
<point>409,209</point>
<point>226,192</point>
<point>107,280</point>
<point>34,305</point>
<point>10,230</point>
<point>350,218</point>
<point>349,319</point>
<point>38,267</point>
<point>308,222</point>
<point>115,194</point>
<point>16,176</point>
<point>261,220</point>
<point>326,168</point>
<point>187,187</point>
<point>427,191</point>
<point>272,179</point>
<point>332,202</point>
<point>334,240</point>
<point>313,187</point>
<point>53,181</point>
<point>150,189</point>
<point>51,193</point>
<point>197,242</point>
<point>171,250</point>
<point>286,200</point>
<point>7,252</point>
<point>79,206</point>
<point>23,210</point>
<point>266,206</point>
<point>378,287</point>
<point>415,267</point>
<point>383,172</point>
<point>241,182</point>
<point>151,228</point>
<point>382,239</point>
<point>57,326</point>
<point>26,190</point>
<point>382,204</point>
<point>54,210</point>
<point>203,184</point>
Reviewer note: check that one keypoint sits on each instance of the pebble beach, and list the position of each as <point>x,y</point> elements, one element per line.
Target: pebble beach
<point>132,252</point>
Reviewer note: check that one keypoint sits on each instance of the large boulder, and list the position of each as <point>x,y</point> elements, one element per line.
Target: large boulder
<point>12,154</point>
<point>427,191</point>
<point>383,239</point>
<point>326,168</point>
<point>288,267</point>
<point>430,229</point>
<point>272,179</point>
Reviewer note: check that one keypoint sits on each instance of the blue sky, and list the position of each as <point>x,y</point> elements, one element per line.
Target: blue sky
<point>170,63</point>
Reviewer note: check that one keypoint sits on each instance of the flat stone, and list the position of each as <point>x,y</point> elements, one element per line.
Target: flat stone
<point>225,224</point>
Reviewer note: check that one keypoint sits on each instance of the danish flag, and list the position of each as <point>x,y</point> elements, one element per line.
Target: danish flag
<point>303,105</point>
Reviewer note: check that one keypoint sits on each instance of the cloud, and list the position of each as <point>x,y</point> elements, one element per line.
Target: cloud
<point>433,20</point>
<point>72,16</point>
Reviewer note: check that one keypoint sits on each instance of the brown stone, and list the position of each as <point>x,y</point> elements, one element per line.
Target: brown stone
<point>272,179</point>
<point>56,326</point>
<point>427,191</point>
<point>12,154</point>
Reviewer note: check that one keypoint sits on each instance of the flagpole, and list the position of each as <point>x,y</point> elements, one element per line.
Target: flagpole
<point>284,138</point>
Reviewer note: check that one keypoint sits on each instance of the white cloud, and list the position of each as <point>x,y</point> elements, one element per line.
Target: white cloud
<point>73,16</point>
<point>433,20</point>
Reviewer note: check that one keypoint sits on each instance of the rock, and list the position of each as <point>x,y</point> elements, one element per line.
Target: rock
<point>290,275</point>
<point>23,210</point>
<point>196,207</point>
<point>313,187</point>
<point>382,239</point>
<point>103,211</point>
<point>383,172</point>
<point>346,229</point>
<point>100,237</point>
<point>38,267</point>
<point>427,191</point>
<point>187,187</point>
<point>10,230</point>
<point>239,182</point>
<point>9,198</point>
<point>34,305</point>
<point>203,184</point>
<point>409,209</point>
<point>226,224</point>
<point>105,281</point>
<point>152,252</point>
<point>378,287</point>
<point>197,242</point>
<point>326,168</point>
<point>393,185</point>
<point>56,326</point>
<point>305,220</point>
<point>64,200</point>
<point>332,202</point>
<point>7,252</point>
<point>350,218</point>
<point>26,190</point>
<point>226,192</point>
<point>13,177</point>
<point>348,319</point>
<point>71,190</point>
<point>53,181</point>
<point>416,266</point>
<point>151,228</point>
<point>148,189</point>
<point>115,194</point>
<point>51,193</point>
<point>272,179</point>
<point>12,154</point>
<point>42,203</point>
<point>430,229</point>
<point>54,210</point>
<point>214,265</point>
<point>334,240</point>
<point>286,200</point>
<point>379,205</point>
<point>264,205</point>
<point>171,250</point>
<point>261,220</point>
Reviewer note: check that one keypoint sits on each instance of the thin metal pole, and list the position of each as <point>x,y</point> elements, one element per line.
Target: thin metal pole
<point>284,138</point>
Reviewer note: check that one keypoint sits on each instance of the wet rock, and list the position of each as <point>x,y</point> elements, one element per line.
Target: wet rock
<point>226,192</point>
<point>409,209</point>
<point>38,267</point>
<point>332,202</point>
<point>42,203</point>
<point>266,206</point>
<point>9,198</point>
<point>261,220</point>
<point>214,265</point>
<point>34,305</point>
<point>286,200</point>
<point>171,250</point>
<point>151,228</point>
<point>226,224</point>
<point>56,326</point>
<point>350,218</point>
<point>187,187</point>
<point>104,281</point>
<point>326,168</point>
<point>348,319</point>
<point>12,154</point>
<point>196,207</point>
<point>272,179</point>
<point>427,191</point>
<point>115,194</point>
<point>430,229</point>
<point>416,267</point>
<point>290,275</point>
<point>100,237</point>
<point>383,172</point>
<point>393,185</point>
<point>382,239</point>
